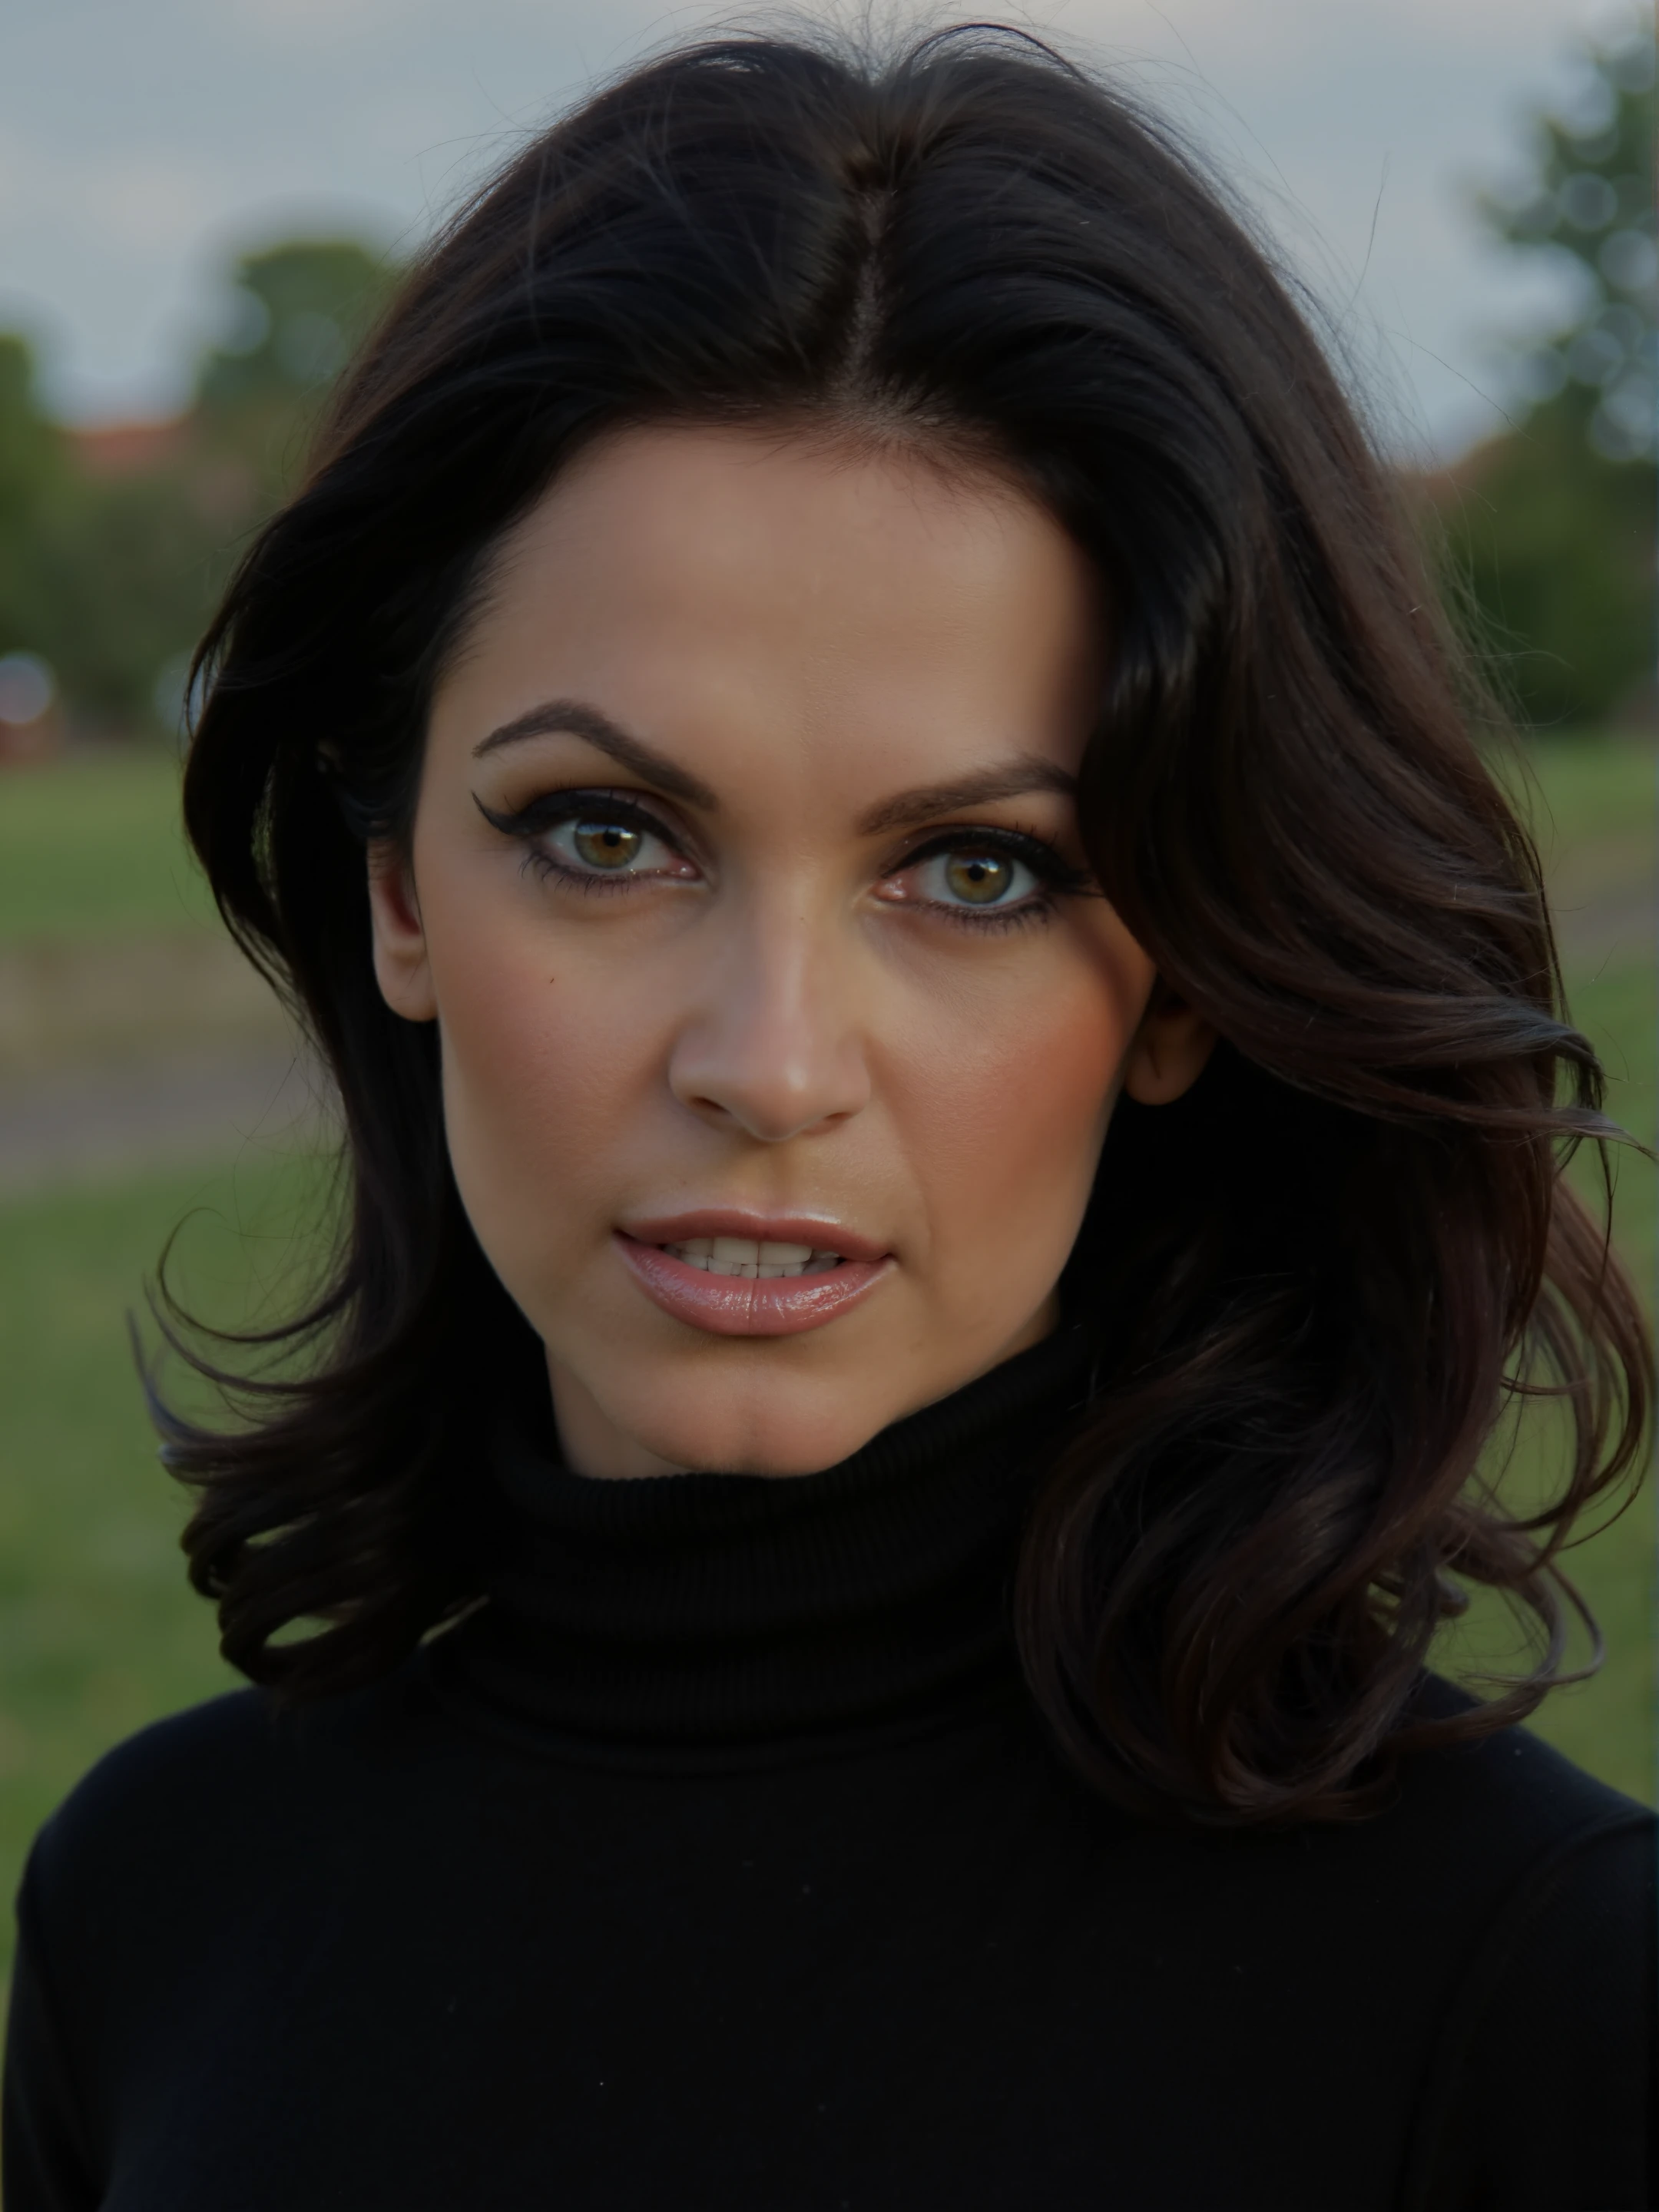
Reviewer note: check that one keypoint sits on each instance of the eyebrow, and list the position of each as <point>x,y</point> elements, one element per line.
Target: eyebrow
<point>573,718</point>
<point>1009,780</point>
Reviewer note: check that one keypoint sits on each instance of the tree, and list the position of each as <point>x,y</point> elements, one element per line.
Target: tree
<point>297,311</point>
<point>1588,206</point>
<point>1551,526</point>
<point>35,477</point>
<point>113,546</point>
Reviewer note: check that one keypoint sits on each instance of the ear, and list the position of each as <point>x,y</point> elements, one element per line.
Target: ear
<point>401,967</point>
<point>1169,1050</point>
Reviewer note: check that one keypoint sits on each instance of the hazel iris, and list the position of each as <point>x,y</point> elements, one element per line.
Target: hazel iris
<point>606,844</point>
<point>980,878</point>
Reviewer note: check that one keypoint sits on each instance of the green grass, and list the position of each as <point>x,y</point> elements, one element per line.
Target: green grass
<point>98,1630</point>
<point>93,845</point>
<point>1583,794</point>
<point>1592,808</point>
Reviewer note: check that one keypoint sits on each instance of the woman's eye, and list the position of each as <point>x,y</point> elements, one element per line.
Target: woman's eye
<point>591,844</point>
<point>606,844</point>
<point>971,878</point>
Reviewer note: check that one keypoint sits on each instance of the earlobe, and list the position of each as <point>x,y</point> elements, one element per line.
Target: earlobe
<point>1172,1046</point>
<point>401,967</point>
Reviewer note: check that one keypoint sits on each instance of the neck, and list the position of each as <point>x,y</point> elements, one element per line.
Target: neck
<point>699,1607</point>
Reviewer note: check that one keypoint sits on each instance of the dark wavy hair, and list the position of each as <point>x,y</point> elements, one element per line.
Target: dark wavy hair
<point>1318,1282</point>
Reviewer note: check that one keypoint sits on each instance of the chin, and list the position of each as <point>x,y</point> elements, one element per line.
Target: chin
<point>779,1430</point>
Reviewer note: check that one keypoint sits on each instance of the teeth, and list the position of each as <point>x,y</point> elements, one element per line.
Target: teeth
<point>744,1256</point>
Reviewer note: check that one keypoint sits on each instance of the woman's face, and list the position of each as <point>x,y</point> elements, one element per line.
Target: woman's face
<point>779,1029</point>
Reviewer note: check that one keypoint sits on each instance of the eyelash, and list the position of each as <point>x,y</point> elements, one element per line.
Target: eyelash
<point>1056,877</point>
<point>557,807</point>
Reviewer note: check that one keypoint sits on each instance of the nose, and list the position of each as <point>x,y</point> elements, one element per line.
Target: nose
<point>772,1044</point>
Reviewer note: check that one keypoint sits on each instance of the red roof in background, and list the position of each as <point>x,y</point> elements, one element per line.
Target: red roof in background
<point>120,449</point>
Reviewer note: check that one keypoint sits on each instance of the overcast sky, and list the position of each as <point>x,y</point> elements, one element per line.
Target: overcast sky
<point>144,140</point>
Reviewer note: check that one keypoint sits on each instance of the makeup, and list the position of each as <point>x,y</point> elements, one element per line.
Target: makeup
<point>737,1274</point>
<point>751,899</point>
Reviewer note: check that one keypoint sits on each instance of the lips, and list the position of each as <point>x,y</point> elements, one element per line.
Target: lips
<point>736,1274</point>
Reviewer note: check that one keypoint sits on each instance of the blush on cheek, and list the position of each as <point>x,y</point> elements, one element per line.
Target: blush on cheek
<point>1014,1126</point>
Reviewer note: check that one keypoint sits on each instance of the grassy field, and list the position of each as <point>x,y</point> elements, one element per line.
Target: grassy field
<point>93,845</point>
<point>98,1632</point>
<point>1592,810</point>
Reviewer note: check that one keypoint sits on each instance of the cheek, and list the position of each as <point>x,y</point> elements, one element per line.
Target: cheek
<point>1003,1107</point>
<point>539,1072</point>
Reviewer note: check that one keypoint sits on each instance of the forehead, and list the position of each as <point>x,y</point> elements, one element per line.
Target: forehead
<point>747,600</point>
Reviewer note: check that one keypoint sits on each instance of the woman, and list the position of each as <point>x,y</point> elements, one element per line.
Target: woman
<point>951,1064</point>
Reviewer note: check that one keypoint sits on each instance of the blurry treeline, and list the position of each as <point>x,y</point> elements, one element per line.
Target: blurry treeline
<point>1549,531</point>
<point>113,544</point>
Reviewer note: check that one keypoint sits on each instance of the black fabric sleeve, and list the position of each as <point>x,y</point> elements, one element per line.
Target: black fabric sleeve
<point>46,2166</point>
<point>1544,2096</point>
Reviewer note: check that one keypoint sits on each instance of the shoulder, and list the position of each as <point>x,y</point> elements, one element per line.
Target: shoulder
<point>236,1783</point>
<point>1508,1798</point>
<point>156,1801</point>
<point>141,1862</point>
<point>1482,1849</point>
<point>1483,1835</point>
<point>183,1751</point>
<point>200,1846</point>
<point>1542,2088</point>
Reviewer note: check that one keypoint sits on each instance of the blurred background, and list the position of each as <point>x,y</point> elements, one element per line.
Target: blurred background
<point>201,206</point>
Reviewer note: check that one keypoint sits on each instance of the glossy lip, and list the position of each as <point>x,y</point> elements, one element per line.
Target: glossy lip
<point>732,1305</point>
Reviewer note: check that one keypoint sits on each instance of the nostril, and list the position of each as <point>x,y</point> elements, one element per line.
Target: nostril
<point>771,1119</point>
<point>769,1070</point>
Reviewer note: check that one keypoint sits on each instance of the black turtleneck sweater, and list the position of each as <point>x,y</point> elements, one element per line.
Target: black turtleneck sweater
<point>719,1859</point>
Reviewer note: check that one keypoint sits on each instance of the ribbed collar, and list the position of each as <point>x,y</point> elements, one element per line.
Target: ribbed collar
<point>703,1608</point>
